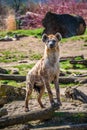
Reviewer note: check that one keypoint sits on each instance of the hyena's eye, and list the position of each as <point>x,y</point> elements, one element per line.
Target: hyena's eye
<point>48,40</point>
<point>54,41</point>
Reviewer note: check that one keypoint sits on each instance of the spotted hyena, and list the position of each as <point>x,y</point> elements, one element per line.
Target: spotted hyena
<point>45,71</point>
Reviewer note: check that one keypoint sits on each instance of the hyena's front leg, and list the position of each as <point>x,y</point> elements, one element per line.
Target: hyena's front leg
<point>56,84</point>
<point>42,89</point>
<point>28,93</point>
<point>50,94</point>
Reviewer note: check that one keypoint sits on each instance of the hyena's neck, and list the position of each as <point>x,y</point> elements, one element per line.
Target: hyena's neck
<point>51,56</point>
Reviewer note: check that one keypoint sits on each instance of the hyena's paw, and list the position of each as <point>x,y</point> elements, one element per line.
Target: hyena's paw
<point>55,105</point>
<point>59,103</point>
<point>26,109</point>
<point>43,107</point>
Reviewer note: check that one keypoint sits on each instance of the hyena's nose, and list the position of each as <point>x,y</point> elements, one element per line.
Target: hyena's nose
<point>52,44</point>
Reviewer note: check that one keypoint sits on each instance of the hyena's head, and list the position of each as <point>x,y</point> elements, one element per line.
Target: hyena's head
<point>51,40</point>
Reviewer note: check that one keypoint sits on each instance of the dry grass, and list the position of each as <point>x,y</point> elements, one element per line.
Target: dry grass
<point>11,22</point>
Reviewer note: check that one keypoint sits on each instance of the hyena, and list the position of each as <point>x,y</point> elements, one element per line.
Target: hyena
<point>45,71</point>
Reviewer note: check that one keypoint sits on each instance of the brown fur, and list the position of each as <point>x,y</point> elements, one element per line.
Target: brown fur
<point>45,71</point>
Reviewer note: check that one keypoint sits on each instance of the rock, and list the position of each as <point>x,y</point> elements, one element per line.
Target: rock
<point>10,93</point>
<point>3,71</point>
<point>3,111</point>
<point>15,71</point>
<point>7,38</point>
<point>72,26</point>
<point>15,37</point>
<point>62,73</point>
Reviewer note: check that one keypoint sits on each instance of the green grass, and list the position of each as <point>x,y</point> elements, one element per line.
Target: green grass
<point>35,56</point>
<point>8,82</point>
<point>9,56</point>
<point>34,32</point>
<point>79,66</point>
<point>64,85</point>
<point>13,83</point>
<point>66,65</point>
<point>38,32</point>
<point>23,68</point>
<point>75,38</point>
<point>78,58</point>
<point>75,117</point>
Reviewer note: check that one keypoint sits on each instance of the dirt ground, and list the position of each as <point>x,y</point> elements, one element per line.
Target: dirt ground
<point>31,44</point>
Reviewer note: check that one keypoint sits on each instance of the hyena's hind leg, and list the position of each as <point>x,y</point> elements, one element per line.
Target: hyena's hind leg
<point>28,93</point>
<point>40,94</point>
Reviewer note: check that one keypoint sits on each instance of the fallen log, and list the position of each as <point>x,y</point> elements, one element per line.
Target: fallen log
<point>12,77</point>
<point>83,62</point>
<point>62,79</point>
<point>65,127</point>
<point>28,116</point>
<point>76,94</point>
<point>44,114</point>
<point>73,79</point>
<point>67,117</point>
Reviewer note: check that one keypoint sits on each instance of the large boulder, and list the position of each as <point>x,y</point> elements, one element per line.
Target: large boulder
<point>9,93</point>
<point>67,25</point>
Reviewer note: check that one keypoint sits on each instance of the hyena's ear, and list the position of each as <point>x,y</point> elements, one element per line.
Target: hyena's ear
<point>58,36</point>
<point>44,37</point>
